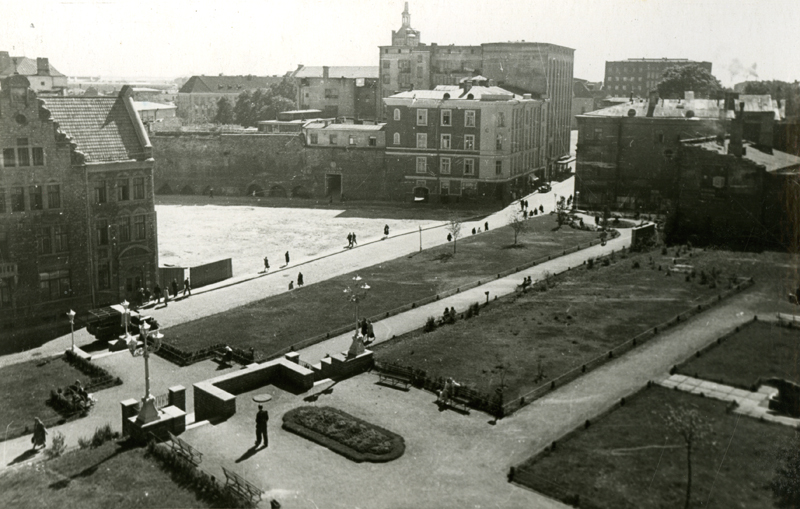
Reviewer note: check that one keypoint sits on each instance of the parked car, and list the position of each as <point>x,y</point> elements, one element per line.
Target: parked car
<point>109,322</point>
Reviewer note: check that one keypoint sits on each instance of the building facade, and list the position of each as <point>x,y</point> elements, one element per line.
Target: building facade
<point>541,69</point>
<point>43,78</point>
<point>197,99</point>
<point>349,92</point>
<point>77,218</point>
<point>637,76</point>
<point>474,141</point>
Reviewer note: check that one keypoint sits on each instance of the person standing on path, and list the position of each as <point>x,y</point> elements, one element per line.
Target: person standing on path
<point>349,240</point>
<point>174,288</point>
<point>486,226</point>
<point>299,279</point>
<point>262,417</point>
<point>157,293</point>
<point>39,434</point>
<point>187,287</point>
<point>266,264</point>
<point>166,297</point>
<point>386,230</point>
<point>355,243</point>
<point>287,257</point>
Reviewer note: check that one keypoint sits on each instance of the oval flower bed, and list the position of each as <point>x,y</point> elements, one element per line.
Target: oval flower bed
<point>341,432</point>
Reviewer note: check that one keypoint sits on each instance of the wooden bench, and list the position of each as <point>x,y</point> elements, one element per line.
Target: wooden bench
<point>183,449</point>
<point>223,357</point>
<point>458,403</point>
<point>241,487</point>
<point>396,376</point>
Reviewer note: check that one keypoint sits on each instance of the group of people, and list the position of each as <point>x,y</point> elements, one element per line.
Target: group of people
<point>172,289</point>
<point>478,230</point>
<point>366,329</point>
<point>300,281</point>
<point>351,239</point>
<point>449,315</point>
<point>526,282</point>
<point>447,392</point>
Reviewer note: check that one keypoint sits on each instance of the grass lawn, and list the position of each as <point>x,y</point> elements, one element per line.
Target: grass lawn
<point>108,476</point>
<point>758,350</point>
<point>631,459</point>
<point>587,313</point>
<point>279,321</point>
<point>25,389</point>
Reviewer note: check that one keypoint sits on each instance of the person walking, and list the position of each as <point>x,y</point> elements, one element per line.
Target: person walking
<point>262,418</point>
<point>291,285</point>
<point>355,243</point>
<point>39,434</point>
<point>187,288</point>
<point>166,297</point>
<point>370,331</point>
<point>174,288</point>
<point>349,240</point>
<point>157,293</point>
<point>299,279</point>
<point>449,237</point>
<point>486,226</point>
<point>287,257</point>
<point>266,264</point>
<point>386,230</point>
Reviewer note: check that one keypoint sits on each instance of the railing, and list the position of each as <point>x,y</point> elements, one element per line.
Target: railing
<point>162,400</point>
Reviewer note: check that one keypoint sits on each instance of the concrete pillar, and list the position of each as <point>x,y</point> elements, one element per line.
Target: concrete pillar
<point>293,357</point>
<point>177,397</point>
<point>130,407</point>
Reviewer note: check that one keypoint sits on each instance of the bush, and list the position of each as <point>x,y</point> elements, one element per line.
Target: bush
<point>664,251</point>
<point>102,435</point>
<point>84,443</point>
<point>590,264</point>
<point>606,262</point>
<point>636,264</point>
<point>57,446</point>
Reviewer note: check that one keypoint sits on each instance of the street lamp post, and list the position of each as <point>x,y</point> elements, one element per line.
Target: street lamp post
<point>149,412</point>
<point>126,316</point>
<point>355,294</point>
<point>71,315</point>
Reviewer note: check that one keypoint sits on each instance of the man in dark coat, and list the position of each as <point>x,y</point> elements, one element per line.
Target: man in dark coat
<point>262,417</point>
<point>174,288</point>
<point>287,257</point>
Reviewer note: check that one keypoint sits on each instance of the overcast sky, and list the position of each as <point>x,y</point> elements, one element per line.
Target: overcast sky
<point>181,38</point>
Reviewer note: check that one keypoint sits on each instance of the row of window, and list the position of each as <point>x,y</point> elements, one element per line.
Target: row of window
<point>123,187</point>
<point>452,187</point>
<point>55,285</point>
<point>53,239</point>
<point>445,165</point>
<point>23,155</point>
<point>38,197</point>
<point>128,228</point>
<point>445,141</point>
<point>333,139</point>
<point>446,117</point>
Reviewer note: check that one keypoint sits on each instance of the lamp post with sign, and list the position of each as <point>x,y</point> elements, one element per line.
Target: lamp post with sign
<point>71,315</point>
<point>151,342</point>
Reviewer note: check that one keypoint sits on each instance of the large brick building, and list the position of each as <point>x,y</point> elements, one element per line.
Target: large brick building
<point>542,69</point>
<point>77,218</point>
<point>197,98</point>
<point>44,78</point>
<point>349,92</point>
<point>475,140</point>
<point>637,76</point>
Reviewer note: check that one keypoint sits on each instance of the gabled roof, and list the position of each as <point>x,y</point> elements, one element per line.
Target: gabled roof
<point>337,72</point>
<point>227,84</point>
<point>25,66</point>
<point>101,127</point>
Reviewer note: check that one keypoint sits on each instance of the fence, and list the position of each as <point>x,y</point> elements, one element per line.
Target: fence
<point>167,274</point>
<point>210,273</point>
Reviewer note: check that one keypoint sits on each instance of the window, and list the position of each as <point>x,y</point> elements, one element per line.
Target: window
<point>314,138</point>
<point>422,117</point>
<point>351,140</point>
<point>60,239</point>
<point>138,188</point>
<point>373,141</point>
<point>501,119</point>
<point>396,138</point>
<point>54,196</point>
<point>54,285</point>
<point>36,198</point>
<point>45,241</point>
<point>139,227</point>
<point>2,202</point>
<point>17,199</point>
<point>123,190</point>
<point>444,166</point>
<point>468,187</point>
<point>422,140</point>
<point>125,229</point>
<point>658,137</point>
<point>445,141</point>
<point>469,142</point>
<point>499,142</point>
<point>9,157</point>
<point>387,79</point>
<point>397,113</point>
<point>422,165</point>
<point>469,118</point>
<point>444,187</point>
<point>100,191</point>
<point>387,64</point>
<point>102,232</point>
<point>422,183</point>
<point>469,166</point>
<point>23,155</point>
<point>333,139</point>
<point>331,93</point>
<point>598,134</point>
<point>103,276</point>
<point>419,59</point>
<point>498,167</point>
<point>447,117</point>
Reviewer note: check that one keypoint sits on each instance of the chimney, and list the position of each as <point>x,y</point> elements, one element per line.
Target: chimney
<point>652,102</point>
<point>42,67</point>
<point>735,146</point>
<point>466,85</point>
<point>325,71</point>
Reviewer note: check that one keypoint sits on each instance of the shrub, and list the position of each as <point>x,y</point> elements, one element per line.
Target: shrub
<point>57,446</point>
<point>476,309</point>
<point>636,264</point>
<point>606,262</point>
<point>84,443</point>
<point>664,251</point>
<point>590,264</point>
<point>102,435</point>
<point>430,324</point>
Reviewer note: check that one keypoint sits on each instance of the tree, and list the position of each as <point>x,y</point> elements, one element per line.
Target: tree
<point>224,111</point>
<point>562,213</point>
<point>786,482</point>
<point>517,222</point>
<point>454,228</point>
<point>677,80</point>
<point>693,429</point>
<point>264,103</point>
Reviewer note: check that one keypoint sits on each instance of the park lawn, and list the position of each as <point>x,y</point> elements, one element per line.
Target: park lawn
<point>108,476</point>
<point>279,321</point>
<point>759,350</point>
<point>587,313</point>
<point>25,389</point>
<point>631,459</point>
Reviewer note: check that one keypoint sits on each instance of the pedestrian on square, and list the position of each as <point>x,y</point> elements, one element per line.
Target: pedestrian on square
<point>187,288</point>
<point>473,231</point>
<point>355,242</point>
<point>174,288</point>
<point>364,327</point>
<point>262,418</point>
<point>386,230</point>
<point>449,237</point>
<point>39,434</point>
<point>157,293</point>
<point>541,209</point>
<point>166,297</point>
<point>486,226</point>
<point>370,331</point>
<point>211,192</point>
<point>349,240</point>
<point>287,257</point>
<point>266,264</point>
<point>299,279</point>
<point>522,204</point>
<point>291,285</point>
<point>526,204</point>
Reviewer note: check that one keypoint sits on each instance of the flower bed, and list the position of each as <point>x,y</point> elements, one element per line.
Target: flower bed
<point>340,432</point>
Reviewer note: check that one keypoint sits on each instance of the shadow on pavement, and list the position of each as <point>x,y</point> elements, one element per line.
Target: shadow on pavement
<point>28,454</point>
<point>249,453</point>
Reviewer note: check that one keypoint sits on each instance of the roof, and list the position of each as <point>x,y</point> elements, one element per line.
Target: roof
<point>227,84</point>
<point>702,108</point>
<point>147,106</point>
<point>368,71</point>
<point>774,162</point>
<point>101,127</point>
<point>455,92</point>
<point>345,127</point>
<point>27,67</point>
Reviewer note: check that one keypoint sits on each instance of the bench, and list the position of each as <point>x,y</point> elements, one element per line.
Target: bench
<point>397,376</point>
<point>185,450</point>
<point>223,357</point>
<point>241,487</point>
<point>458,403</point>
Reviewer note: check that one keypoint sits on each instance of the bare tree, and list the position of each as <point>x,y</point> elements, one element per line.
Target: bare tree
<point>454,228</point>
<point>693,429</point>
<point>517,222</point>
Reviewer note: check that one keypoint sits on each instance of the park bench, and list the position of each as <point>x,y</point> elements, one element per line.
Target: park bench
<point>185,450</point>
<point>396,376</point>
<point>223,357</point>
<point>457,402</point>
<point>241,487</point>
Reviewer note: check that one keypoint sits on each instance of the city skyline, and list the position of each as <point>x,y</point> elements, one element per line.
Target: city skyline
<point>184,39</point>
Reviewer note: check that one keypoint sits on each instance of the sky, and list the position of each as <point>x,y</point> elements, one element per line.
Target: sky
<point>744,39</point>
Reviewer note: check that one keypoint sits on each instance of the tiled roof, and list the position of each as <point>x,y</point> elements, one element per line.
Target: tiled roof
<point>702,108</point>
<point>227,84</point>
<point>338,72</point>
<point>27,67</point>
<point>101,127</point>
<point>774,162</point>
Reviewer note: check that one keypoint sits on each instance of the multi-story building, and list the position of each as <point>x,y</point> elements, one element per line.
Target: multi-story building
<point>44,78</point>
<point>473,140</point>
<point>197,98</point>
<point>77,217</point>
<point>541,69</point>
<point>637,76</point>
<point>349,92</point>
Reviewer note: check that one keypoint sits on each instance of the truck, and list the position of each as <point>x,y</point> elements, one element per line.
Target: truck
<point>109,322</point>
